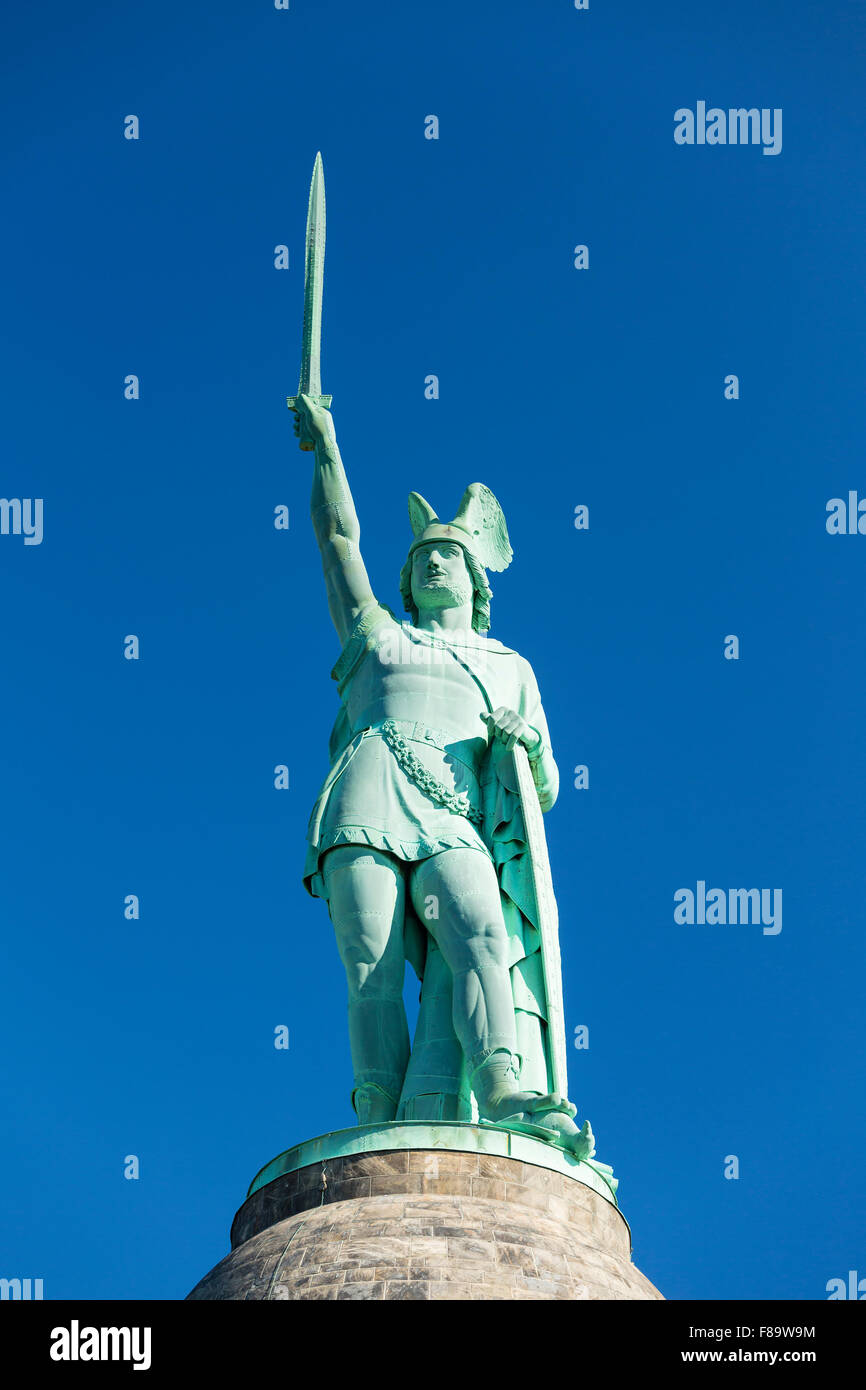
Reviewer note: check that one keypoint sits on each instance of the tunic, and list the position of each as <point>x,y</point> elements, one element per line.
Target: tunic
<point>393,671</point>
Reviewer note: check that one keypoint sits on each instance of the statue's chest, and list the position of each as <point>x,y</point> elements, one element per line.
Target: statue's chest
<point>425,675</point>
<point>402,678</point>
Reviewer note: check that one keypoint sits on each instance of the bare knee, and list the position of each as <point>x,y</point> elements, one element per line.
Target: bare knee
<point>474,941</point>
<point>459,893</point>
<point>364,889</point>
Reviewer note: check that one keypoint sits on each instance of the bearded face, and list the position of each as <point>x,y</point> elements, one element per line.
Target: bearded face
<point>440,578</point>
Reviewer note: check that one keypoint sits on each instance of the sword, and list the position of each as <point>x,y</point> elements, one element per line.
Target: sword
<point>547,917</point>
<point>314,277</point>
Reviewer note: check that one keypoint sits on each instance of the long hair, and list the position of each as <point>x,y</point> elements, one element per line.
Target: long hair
<point>481,591</point>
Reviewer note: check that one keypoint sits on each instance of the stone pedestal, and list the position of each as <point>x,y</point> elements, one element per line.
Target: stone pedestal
<point>472,1213</point>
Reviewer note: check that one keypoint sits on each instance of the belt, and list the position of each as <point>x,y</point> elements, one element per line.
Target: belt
<point>416,732</point>
<point>397,733</point>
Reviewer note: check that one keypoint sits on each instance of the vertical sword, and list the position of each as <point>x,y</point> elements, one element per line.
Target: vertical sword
<point>547,918</point>
<point>314,278</point>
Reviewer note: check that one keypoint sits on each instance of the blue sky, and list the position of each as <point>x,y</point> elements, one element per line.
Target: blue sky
<point>559,387</point>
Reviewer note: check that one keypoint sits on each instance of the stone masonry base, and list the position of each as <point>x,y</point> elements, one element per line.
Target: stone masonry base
<point>418,1224</point>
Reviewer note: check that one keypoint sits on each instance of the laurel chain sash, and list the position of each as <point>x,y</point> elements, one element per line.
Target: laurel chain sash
<point>457,802</point>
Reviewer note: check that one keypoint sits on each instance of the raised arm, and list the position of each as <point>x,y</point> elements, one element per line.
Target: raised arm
<point>335,521</point>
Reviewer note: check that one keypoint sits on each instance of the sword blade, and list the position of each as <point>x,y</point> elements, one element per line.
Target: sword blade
<point>314,283</point>
<point>310,383</point>
<point>547,921</point>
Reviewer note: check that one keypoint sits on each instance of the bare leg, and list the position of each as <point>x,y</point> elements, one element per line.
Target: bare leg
<point>456,893</point>
<point>366,897</point>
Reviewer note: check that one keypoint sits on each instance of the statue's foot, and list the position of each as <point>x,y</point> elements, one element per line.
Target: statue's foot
<point>580,1142</point>
<point>499,1100</point>
<point>556,1114</point>
<point>373,1105</point>
<point>494,1083</point>
<point>556,1117</point>
<point>552,1104</point>
<point>508,1103</point>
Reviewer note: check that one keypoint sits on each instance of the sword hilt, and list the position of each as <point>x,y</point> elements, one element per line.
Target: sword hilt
<point>308,445</point>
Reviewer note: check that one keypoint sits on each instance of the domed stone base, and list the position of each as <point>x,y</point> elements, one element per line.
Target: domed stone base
<point>429,1224</point>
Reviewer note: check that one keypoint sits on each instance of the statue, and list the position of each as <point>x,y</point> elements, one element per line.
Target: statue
<point>426,839</point>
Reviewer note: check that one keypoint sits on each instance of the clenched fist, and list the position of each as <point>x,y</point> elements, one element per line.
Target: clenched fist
<point>510,728</point>
<point>313,424</point>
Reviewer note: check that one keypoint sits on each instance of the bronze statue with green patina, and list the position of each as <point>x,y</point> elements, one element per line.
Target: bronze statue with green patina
<point>426,837</point>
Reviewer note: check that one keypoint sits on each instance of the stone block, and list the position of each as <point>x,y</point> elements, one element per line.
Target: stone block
<point>388,1184</point>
